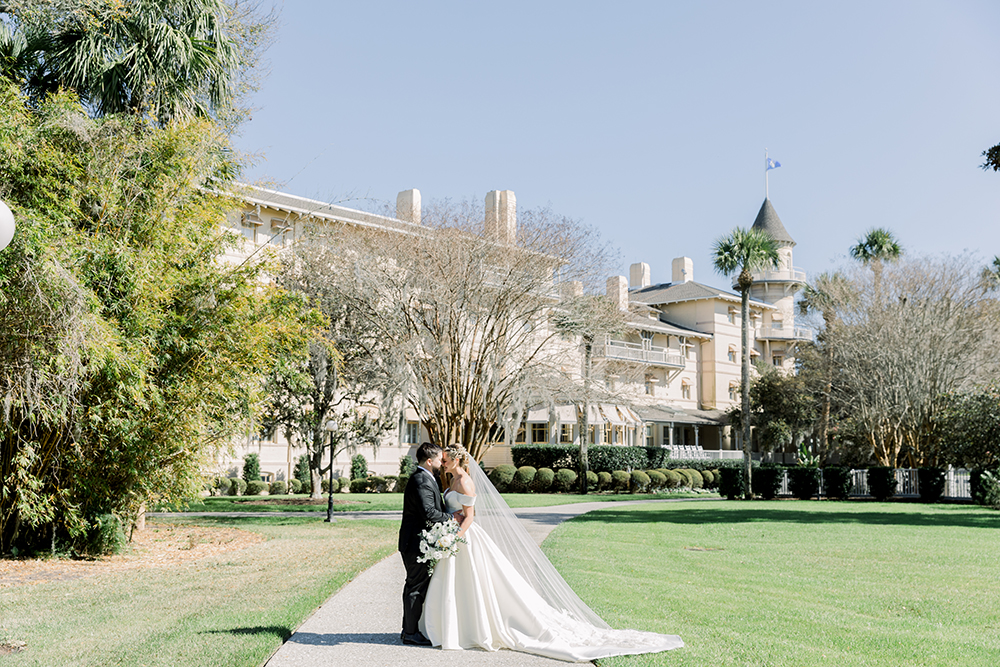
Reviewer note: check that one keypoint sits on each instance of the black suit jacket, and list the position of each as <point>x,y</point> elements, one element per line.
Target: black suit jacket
<point>422,505</point>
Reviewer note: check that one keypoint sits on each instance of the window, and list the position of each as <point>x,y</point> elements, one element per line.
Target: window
<point>520,435</point>
<point>539,433</point>
<point>649,386</point>
<point>777,359</point>
<point>666,435</point>
<point>590,430</point>
<point>412,434</point>
<point>606,434</point>
<point>249,222</point>
<point>279,230</point>
<point>734,391</point>
<point>649,435</point>
<point>732,353</point>
<point>647,339</point>
<point>731,316</point>
<point>686,389</point>
<point>566,433</point>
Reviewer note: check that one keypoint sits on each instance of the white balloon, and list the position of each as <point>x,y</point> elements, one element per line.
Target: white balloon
<point>6,225</point>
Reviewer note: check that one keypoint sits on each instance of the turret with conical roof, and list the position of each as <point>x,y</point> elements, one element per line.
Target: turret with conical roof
<point>768,220</point>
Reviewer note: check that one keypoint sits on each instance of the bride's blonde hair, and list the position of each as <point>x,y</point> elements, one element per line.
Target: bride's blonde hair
<point>458,453</point>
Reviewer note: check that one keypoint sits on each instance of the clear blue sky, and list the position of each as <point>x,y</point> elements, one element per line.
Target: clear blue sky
<point>649,120</point>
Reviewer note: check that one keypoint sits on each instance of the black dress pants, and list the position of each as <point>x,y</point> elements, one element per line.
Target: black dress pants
<point>418,578</point>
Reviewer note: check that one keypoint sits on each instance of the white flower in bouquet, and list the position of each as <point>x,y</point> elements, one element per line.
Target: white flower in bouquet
<point>438,542</point>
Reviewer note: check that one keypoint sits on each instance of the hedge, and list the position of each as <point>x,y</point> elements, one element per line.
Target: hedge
<point>502,476</point>
<point>255,487</point>
<point>358,485</point>
<point>543,480</point>
<point>296,485</point>
<point>565,479</point>
<point>239,486</point>
<point>522,479</point>
<point>732,482</point>
<point>603,481</point>
<point>620,480</point>
<point>697,481</point>
<point>657,480</point>
<point>931,483</point>
<point>766,481</point>
<point>592,481</point>
<point>803,482</point>
<point>882,482</point>
<point>222,485</point>
<point>401,482</point>
<point>837,482</point>
<point>547,456</point>
<point>342,484</point>
<point>277,488</point>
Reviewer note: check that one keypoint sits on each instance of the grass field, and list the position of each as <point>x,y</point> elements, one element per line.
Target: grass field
<point>793,583</point>
<point>360,502</point>
<point>230,610</point>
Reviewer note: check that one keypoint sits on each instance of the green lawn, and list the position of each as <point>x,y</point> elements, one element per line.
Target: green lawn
<point>793,583</point>
<point>359,502</point>
<point>229,610</point>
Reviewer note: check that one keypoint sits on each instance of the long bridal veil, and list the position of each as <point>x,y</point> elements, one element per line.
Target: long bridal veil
<point>495,517</point>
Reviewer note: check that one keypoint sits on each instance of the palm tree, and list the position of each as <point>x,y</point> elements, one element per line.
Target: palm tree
<point>991,274</point>
<point>824,295</point>
<point>745,251</point>
<point>158,58</point>
<point>877,246</point>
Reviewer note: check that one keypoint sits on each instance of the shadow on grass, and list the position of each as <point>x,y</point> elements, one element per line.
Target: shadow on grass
<point>277,630</point>
<point>957,517</point>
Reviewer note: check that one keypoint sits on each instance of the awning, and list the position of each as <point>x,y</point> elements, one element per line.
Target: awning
<point>564,414</point>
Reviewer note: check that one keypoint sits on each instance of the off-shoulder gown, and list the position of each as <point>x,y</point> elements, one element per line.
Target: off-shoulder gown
<point>476,599</point>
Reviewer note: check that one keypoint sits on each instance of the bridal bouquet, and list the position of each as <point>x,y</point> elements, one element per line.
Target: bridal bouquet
<point>439,541</point>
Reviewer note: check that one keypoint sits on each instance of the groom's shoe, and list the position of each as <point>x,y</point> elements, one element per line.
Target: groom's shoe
<point>416,639</point>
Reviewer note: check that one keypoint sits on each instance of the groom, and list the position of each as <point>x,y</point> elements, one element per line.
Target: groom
<point>422,506</point>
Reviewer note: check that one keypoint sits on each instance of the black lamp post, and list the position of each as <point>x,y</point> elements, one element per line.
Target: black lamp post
<point>331,426</point>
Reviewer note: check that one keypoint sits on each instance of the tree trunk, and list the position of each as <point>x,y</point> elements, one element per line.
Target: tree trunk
<point>585,423</point>
<point>745,384</point>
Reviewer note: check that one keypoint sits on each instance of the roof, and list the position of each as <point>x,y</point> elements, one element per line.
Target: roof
<point>662,326</point>
<point>667,293</point>
<point>667,413</point>
<point>768,220</point>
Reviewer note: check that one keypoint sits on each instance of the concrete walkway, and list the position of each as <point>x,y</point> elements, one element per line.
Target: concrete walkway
<point>359,625</point>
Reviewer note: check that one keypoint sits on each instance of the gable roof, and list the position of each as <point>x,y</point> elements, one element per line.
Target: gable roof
<point>667,293</point>
<point>768,220</point>
<point>662,326</point>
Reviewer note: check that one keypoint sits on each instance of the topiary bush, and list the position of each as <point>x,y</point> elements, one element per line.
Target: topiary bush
<point>803,482</point>
<point>307,488</point>
<point>358,485</point>
<point>222,486</point>
<point>522,479</point>
<point>390,483</point>
<point>302,472</point>
<point>882,482</point>
<point>239,486</point>
<point>251,468</point>
<point>657,480</point>
<point>837,482</point>
<point>256,487</point>
<point>359,466</point>
<point>732,482</point>
<point>931,483</point>
<point>685,477</point>
<point>697,481</point>
<point>639,482</point>
<point>709,478</point>
<point>564,480</point>
<point>377,484</point>
<point>277,488</point>
<point>543,480</point>
<point>343,484</point>
<point>593,483</point>
<point>604,480</point>
<point>401,483</point>
<point>620,481</point>
<point>766,481</point>
<point>502,476</point>
<point>296,485</point>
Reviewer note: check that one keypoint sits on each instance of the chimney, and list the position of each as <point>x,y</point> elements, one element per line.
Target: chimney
<point>501,216</point>
<point>408,206</point>
<point>682,269</point>
<point>618,292</point>
<point>638,275</point>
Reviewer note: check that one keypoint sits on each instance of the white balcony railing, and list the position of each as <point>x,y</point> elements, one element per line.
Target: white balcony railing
<point>780,333</point>
<point>794,274</point>
<point>657,356</point>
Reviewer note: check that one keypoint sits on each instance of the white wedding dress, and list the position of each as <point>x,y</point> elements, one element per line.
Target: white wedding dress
<point>477,599</point>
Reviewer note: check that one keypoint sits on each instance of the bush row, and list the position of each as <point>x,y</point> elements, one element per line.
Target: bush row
<point>528,479</point>
<point>601,458</point>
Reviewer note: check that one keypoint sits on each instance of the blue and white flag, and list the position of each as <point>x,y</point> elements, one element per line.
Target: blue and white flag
<point>772,164</point>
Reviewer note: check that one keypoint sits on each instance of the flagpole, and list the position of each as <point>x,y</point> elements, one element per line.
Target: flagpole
<point>765,174</point>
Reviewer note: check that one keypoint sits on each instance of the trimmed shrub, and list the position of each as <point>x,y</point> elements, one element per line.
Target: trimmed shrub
<point>882,482</point>
<point>358,485</point>
<point>732,483</point>
<point>837,482</point>
<point>593,483</point>
<point>523,478</point>
<point>685,477</point>
<point>931,482</point>
<point>502,476</point>
<point>222,485</point>
<point>343,484</point>
<point>256,487</point>
<point>407,465</point>
<point>982,486</point>
<point>620,480</point>
<point>564,480</point>
<point>105,536</point>
<point>296,485</point>
<point>674,479</point>
<point>766,481</point>
<point>803,482</point>
<point>239,486</point>
<point>390,483</point>
<point>657,480</point>
<point>709,478</point>
<point>376,484</point>
<point>639,482</point>
<point>603,480</point>
<point>401,483</point>
<point>697,481</point>
<point>307,488</point>
<point>359,466</point>
<point>302,472</point>
<point>251,468</point>
<point>715,477</point>
<point>277,488</point>
<point>324,485</point>
<point>546,456</point>
<point>543,480</point>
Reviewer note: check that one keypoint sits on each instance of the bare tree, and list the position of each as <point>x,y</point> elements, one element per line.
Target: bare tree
<point>455,318</point>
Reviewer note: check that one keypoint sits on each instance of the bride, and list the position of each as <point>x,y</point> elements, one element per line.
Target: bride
<point>500,591</point>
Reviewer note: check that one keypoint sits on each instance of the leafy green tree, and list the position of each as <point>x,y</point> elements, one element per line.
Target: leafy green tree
<point>968,429</point>
<point>782,408</point>
<point>130,352</point>
<point>742,252</point>
<point>359,466</point>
